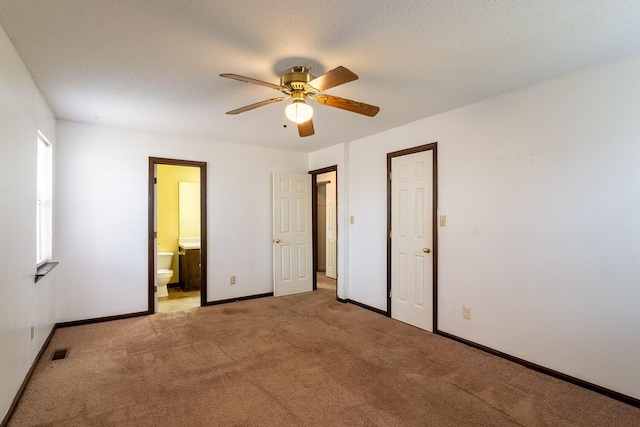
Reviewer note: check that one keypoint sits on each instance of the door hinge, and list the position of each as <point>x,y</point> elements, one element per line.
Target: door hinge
<point>389,293</point>
<point>155,234</point>
<point>155,180</point>
<point>390,234</point>
<point>390,175</point>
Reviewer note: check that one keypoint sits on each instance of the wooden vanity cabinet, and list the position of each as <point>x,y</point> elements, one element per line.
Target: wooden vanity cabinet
<point>189,265</point>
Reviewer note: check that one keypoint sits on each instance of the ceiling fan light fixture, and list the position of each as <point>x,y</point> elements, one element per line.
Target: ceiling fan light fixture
<point>298,111</point>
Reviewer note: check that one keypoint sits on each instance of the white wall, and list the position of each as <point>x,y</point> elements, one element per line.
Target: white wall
<point>541,188</point>
<point>337,156</point>
<point>102,207</point>
<point>23,303</point>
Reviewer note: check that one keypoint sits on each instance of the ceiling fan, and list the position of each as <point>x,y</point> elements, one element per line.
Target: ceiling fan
<point>298,84</point>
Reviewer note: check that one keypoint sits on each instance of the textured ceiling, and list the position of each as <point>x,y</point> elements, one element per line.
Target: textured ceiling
<point>154,65</point>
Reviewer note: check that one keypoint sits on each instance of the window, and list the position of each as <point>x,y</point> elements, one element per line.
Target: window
<point>44,201</point>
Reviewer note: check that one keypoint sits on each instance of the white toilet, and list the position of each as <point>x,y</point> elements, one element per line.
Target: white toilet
<point>164,272</point>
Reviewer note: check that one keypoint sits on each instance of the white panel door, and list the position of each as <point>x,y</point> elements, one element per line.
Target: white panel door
<point>412,239</point>
<point>292,234</point>
<point>331,268</point>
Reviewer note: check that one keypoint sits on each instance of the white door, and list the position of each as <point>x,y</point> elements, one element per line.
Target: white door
<point>292,234</point>
<point>412,239</point>
<point>331,234</point>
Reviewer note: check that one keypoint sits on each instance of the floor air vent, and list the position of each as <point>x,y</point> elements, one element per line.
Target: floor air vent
<point>59,354</point>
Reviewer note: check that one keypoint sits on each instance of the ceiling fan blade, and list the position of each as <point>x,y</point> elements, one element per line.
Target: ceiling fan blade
<point>250,80</point>
<point>333,78</point>
<point>348,104</point>
<point>256,105</point>
<point>306,128</point>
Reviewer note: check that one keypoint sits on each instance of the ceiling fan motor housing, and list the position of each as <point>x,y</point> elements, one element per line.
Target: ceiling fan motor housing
<point>297,78</point>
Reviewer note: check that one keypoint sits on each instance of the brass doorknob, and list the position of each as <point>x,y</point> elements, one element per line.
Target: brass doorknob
<point>276,240</point>
<point>426,250</point>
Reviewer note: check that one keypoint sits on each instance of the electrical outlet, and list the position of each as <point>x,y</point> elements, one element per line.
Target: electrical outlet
<point>233,280</point>
<point>443,220</point>
<point>352,219</point>
<point>33,332</point>
<point>466,312</point>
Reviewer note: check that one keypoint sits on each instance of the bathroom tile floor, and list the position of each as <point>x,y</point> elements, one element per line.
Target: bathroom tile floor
<point>178,300</point>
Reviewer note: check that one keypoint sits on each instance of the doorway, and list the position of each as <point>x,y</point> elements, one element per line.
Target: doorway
<point>412,236</point>
<point>177,234</point>
<point>325,228</point>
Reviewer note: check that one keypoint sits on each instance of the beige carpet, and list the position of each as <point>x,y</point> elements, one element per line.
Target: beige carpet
<point>303,360</point>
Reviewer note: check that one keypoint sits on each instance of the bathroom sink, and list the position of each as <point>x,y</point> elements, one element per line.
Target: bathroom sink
<point>186,243</point>
<point>194,245</point>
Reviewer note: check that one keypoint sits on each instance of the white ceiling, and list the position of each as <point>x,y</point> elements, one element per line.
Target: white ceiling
<point>153,65</point>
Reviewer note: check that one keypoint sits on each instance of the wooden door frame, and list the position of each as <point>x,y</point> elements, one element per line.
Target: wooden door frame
<point>153,162</point>
<point>434,148</point>
<point>314,220</point>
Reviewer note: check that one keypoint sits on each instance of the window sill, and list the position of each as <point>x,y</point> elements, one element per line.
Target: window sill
<point>44,269</point>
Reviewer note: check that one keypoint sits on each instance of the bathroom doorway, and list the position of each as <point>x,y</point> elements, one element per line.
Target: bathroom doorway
<point>177,234</point>
<point>325,231</point>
